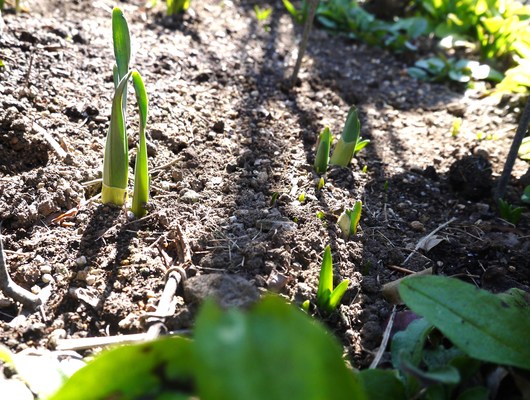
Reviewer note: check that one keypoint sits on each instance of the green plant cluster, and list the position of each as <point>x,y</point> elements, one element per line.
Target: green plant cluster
<point>499,31</point>
<point>116,158</point>
<point>275,351</point>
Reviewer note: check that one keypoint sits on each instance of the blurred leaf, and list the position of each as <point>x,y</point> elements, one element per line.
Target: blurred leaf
<point>133,372</point>
<point>447,374</point>
<point>382,385</point>
<point>274,352</point>
<point>476,393</point>
<point>478,322</point>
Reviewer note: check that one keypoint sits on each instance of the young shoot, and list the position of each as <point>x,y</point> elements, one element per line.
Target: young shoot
<point>350,142</point>
<point>141,171</point>
<point>328,298</point>
<point>349,219</point>
<point>322,157</point>
<point>177,6</point>
<point>116,158</point>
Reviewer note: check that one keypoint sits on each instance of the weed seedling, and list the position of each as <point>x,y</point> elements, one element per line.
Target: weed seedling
<point>262,13</point>
<point>509,212</point>
<point>328,298</point>
<point>455,129</point>
<point>321,183</point>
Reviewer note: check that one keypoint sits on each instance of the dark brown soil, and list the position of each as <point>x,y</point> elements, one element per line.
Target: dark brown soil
<point>225,135</point>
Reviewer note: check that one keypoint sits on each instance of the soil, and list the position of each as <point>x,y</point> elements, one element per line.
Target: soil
<point>226,135</point>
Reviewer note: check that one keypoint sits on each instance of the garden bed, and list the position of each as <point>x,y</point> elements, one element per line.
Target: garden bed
<point>225,135</point>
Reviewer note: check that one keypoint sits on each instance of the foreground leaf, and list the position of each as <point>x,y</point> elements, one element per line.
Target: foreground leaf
<point>133,372</point>
<point>478,322</point>
<point>274,352</point>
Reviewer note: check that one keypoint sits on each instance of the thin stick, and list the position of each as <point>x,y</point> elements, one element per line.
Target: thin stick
<point>305,38</point>
<point>51,141</point>
<point>425,238</point>
<point>512,155</point>
<point>11,289</point>
<point>384,342</point>
<point>89,343</point>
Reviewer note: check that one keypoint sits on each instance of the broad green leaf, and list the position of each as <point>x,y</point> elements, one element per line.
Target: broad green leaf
<point>322,156</point>
<point>325,283</point>
<point>141,169</point>
<point>382,385</point>
<point>273,352</point>
<point>408,344</point>
<point>145,370</point>
<point>478,322</point>
<point>116,158</point>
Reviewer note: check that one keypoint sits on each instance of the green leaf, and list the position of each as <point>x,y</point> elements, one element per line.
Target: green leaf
<point>116,158</point>
<point>122,42</point>
<point>274,352</point>
<point>447,374</point>
<point>322,156</point>
<point>408,344</point>
<point>325,283</point>
<point>132,372</point>
<point>141,169</point>
<point>382,385</point>
<point>336,295</point>
<point>475,393</point>
<point>345,148</point>
<point>480,323</point>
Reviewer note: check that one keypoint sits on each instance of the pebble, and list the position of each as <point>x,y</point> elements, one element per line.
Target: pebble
<point>190,196</point>
<point>90,280</point>
<point>81,261</point>
<point>417,226</point>
<point>47,278</point>
<point>46,269</point>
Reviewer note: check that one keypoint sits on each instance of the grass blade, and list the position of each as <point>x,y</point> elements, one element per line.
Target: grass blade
<point>115,162</point>
<point>141,170</point>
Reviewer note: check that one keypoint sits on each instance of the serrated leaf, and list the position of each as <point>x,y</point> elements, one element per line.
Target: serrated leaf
<point>480,323</point>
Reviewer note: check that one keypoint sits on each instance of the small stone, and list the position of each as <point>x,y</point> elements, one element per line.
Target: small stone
<point>35,289</point>
<point>218,126</point>
<point>127,322</point>
<point>90,280</point>
<point>46,269</point>
<point>81,261</point>
<point>190,196</point>
<point>47,278</point>
<point>417,226</point>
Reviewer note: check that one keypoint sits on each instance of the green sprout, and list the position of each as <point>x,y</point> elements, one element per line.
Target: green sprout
<point>349,219</point>
<point>365,169</point>
<point>350,142</point>
<point>116,158</point>
<point>141,170</point>
<point>177,6</point>
<point>115,161</point>
<point>301,198</point>
<point>328,298</point>
<point>509,212</point>
<point>321,183</point>
<point>262,13</point>
<point>322,157</point>
<point>457,124</point>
